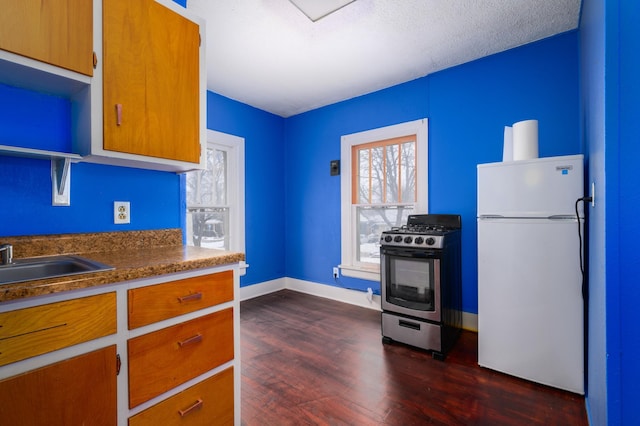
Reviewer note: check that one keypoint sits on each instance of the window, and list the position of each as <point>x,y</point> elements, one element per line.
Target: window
<point>384,179</point>
<point>215,196</point>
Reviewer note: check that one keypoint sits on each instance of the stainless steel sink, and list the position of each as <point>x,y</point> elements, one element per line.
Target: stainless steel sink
<point>37,268</point>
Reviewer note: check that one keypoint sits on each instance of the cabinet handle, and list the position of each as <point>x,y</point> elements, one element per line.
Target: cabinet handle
<point>118,114</point>
<point>187,410</point>
<point>190,297</point>
<point>195,339</point>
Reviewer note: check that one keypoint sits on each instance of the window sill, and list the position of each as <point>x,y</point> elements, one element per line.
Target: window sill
<point>364,274</point>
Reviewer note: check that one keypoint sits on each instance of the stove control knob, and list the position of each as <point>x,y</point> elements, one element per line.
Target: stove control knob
<point>419,240</point>
<point>408,240</point>
<point>430,241</point>
<point>398,239</point>
<point>388,238</point>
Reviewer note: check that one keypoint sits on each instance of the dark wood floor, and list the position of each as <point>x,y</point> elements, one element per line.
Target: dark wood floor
<point>312,361</point>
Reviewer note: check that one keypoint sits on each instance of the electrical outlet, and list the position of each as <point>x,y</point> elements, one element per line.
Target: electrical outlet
<point>336,272</point>
<point>593,194</point>
<point>121,212</point>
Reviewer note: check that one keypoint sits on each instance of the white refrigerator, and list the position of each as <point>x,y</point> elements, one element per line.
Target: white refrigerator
<point>530,303</point>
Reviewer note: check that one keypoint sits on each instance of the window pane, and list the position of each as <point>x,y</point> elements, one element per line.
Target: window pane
<point>371,223</point>
<point>377,175</point>
<point>408,175</point>
<point>392,153</point>
<point>364,173</point>
<point>217,166</point>
<point>207,210</point>
<point>208,227</point>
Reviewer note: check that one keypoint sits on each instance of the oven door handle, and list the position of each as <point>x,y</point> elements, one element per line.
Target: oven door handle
<point>411,254</point>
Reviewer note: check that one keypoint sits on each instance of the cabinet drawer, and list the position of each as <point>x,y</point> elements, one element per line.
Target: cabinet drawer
<point>158,302</point>
<point>77,391</point>
<point>161,360</point>
<point>28,332</point>
<point>209,402</point>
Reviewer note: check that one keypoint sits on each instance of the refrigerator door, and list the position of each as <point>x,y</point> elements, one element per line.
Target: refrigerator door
<point>533,188</point>
<point>530,305</point>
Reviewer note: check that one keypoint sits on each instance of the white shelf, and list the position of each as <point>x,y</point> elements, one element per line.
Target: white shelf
<point>26,73</point>
<point>60,169</point>
<point>16,151</point>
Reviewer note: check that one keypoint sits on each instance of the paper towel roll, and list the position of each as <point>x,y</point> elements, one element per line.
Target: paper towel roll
<point>525,140</point>
<point>507,148</point>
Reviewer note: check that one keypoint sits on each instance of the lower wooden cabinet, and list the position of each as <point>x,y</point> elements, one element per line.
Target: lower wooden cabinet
<point>77,391</point>
<point>60,357</point>
<point>207,403</point>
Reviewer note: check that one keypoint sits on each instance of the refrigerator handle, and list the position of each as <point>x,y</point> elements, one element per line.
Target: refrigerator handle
<point>490,216</point>
<point>562,217</point>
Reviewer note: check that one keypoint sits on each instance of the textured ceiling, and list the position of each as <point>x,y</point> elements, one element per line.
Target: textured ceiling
<point>268,54</point>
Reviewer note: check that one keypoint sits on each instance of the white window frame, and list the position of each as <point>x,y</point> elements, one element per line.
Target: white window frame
<point>349,265</point>
<point>234,146</point>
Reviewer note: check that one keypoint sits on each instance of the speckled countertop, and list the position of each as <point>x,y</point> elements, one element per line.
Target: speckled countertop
<point>134,254</point>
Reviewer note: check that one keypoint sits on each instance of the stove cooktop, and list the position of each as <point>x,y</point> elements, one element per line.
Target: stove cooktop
<point>426,231</point>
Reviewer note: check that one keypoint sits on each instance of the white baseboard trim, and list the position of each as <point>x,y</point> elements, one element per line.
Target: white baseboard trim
<point>260,289</point>
<point>470,321</point>
<point>352,297</point>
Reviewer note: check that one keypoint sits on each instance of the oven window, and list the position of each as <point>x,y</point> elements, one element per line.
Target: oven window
<point>410,283</point>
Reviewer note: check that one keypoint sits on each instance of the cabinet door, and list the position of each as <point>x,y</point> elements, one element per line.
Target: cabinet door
<point>58,32</point>
<point>151,81</point>
<point>78,391</point>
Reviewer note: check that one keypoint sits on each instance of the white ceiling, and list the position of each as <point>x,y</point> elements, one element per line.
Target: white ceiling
<point>268,54</point>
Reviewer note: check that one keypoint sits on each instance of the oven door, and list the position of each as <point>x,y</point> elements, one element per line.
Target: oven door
<point>410,282</point>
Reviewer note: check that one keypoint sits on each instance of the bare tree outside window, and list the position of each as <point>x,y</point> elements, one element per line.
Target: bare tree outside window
<point>207,204</point>
<point>386,190</point>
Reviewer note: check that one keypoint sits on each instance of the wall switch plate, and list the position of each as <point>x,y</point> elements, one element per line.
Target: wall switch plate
<point>334,167</point>
<point>121,212</point>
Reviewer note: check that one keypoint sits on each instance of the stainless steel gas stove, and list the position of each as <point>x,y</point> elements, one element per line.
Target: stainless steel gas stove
<point>421,286</point>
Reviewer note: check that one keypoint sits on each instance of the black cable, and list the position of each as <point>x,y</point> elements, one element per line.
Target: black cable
<point>584,289</point>
<point>585,296</point>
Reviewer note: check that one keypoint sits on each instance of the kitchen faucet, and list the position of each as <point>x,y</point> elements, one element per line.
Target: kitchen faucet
<point>6,254</point>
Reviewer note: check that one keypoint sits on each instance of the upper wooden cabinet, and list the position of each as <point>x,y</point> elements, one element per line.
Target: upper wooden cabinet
<point>151,80</point>
<point>133,71</point>
<point>58,32</point>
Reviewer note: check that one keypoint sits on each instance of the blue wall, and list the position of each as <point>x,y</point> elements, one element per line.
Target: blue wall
<point>468,107</point>
<point>627,223</point>
<point>610,40</point>
<point>592,72</point>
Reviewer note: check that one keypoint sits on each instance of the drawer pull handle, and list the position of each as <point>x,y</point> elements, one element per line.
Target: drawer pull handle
<point>195,406</point>
<point>191,340</point>
<point>190,297</point>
